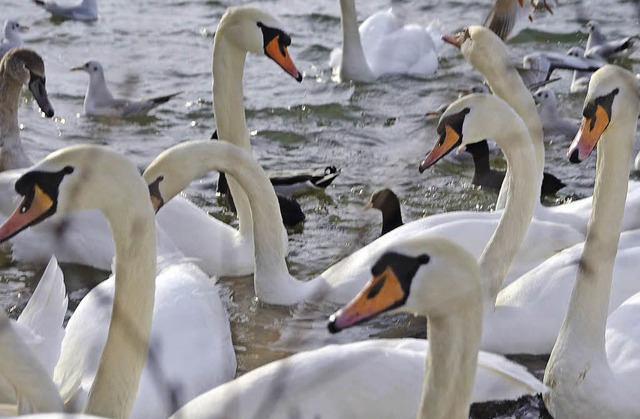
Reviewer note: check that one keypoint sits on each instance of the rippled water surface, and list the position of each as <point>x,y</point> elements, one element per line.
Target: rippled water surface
<point>376,133</point>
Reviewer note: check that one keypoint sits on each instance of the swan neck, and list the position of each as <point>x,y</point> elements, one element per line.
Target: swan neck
<point>583,330</point>
<point>354,64</point>
<point>454,342</point>
<point>115,386</point>
<point>20,367</point>
<point>9,97</point>
<point>524,186</point>
<point>228,108</point>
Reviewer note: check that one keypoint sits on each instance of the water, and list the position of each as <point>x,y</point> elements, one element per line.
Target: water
<point>376,133</point>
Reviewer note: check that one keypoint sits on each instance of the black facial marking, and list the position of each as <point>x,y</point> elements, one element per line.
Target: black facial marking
<point>375,290</point>
<point>154,191</point>
<point>269,33</point>
<point>606,102</point>
<point>48,182</point>
<point>403,266</point>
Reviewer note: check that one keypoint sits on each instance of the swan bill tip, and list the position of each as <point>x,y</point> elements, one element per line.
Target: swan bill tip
<point>332,325</point>
<point>574,156</point>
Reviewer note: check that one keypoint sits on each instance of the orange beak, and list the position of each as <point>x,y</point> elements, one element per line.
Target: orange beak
<point>455,39</point>
<point>442,148</point>
<point>278,53</point>
<point>382,293</point>
<point>31,210</point>
<point>588,135</point>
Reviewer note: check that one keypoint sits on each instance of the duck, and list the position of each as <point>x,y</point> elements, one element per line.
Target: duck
<point>554,125</point>
<point>486,177</point>
<point>593,365</point>
<point>87,10</point>
<point>383,45</point>
<point>99,101</point>
<point>383,378</point>
<point>387,202</point>
<point>101,369</point>
<point>12,38</point>
<point>599,47</point>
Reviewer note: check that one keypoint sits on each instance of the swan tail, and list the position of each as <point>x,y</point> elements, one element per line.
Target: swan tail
<point>44,315</point>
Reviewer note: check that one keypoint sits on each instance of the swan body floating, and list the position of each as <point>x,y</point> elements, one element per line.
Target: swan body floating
<point>99,101</point>
<point>384,377</point>
<point>383,45</point>
<point>87,10</point>
<point>104,351</point>
<point>593,367</point>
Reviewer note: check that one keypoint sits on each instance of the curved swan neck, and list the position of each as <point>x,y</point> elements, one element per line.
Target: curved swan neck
<point>524,186</point>
<point>19,366</point>
<point>272,281</point>
<point>116,383</point>
<point>228,108</point>
<point>454,342</point>
<point>583,330</point>
<point>354,64</point>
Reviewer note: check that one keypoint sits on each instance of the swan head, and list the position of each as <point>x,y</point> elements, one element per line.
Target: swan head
<point>468,120</point>
<point>70,179</point>
<point>252,30</point>
<point>428,276</point>
<point>614,94</point>
<point>383,200</point>
<point>481,47</point>
<point>27,68</point>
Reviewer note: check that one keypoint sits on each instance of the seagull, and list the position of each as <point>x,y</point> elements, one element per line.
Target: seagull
<point>87,10</point>
<point>599,47</point>
<point>538,66</point>
<point>554,125</point>
<point>504,13</point>
<point>580,80</point>
<point>98,101</point>
<point>12,38</point>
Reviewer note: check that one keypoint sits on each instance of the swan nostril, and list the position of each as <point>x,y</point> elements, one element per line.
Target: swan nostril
<point>574,156</point>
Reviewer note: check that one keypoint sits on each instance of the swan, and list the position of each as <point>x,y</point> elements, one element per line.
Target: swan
<point>383,45</point>
<point>21,67</point>
<point>99,101</point>
<point>183,361</point>
<point>241,30</point>
<point>593,368</point>
<point>87,10</point>
<point>30,346</point>
<point>488,54</point>
<point>384,377</point>
<point>175,168</point>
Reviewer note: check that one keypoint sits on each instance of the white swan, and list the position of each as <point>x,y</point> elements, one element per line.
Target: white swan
<point>383,45</point>
<point>593,369</point>
<point>241,30</point>
<point>174,169</point>
<point>488,54</point>
<point>183,361</point>
<point>385,378</point>
<point>30,346</point>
